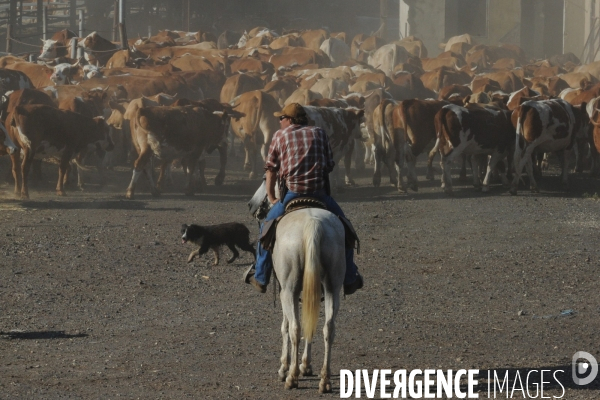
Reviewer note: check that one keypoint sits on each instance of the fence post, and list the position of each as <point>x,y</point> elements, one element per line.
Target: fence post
<point>39,16</point>
<point>45,23</point>
<point>79,49</point>
<point>8,38</point>
<point>123,31</point>
<point>73,14</point>
<point>149,31</point>
<point>115,20</point>
<point>73,47</point>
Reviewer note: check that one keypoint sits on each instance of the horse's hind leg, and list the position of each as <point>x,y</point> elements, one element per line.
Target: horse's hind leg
<point>234,251</point>
<point>332,301</point>
<point>285,355</point>
<point>306,367</point>
<point>290,308</point>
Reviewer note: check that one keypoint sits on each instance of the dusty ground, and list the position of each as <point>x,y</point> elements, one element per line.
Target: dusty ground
<point>97,301</point>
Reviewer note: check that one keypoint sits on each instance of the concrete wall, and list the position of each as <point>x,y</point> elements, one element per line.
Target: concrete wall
<point>504,22</point>
<point>426,20</point>
<point>575,32</point>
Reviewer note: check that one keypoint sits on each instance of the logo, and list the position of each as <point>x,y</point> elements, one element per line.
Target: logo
<point>580,369</point>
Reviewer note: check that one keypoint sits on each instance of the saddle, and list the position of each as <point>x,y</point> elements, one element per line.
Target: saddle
<point>267,238</point>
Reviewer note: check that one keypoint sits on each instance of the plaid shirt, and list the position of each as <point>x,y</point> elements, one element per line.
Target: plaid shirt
<point>302,156</point>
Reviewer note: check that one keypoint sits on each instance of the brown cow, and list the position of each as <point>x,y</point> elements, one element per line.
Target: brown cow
<point>435,80</point>
<point>473,130</point>
<point>57,46</point>
<point>38,74</point>
<point>97,49</point>
<point>257,127</point>
<point>173,132</point>
<point>238,84</point>
<point>281,89</point>
<point>547,126</point>
<point>45,131</point>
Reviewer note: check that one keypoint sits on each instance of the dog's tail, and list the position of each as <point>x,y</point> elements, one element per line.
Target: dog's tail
<point>311,286</point>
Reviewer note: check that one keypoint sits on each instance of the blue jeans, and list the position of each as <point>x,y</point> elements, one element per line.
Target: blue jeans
<point>264,263</point>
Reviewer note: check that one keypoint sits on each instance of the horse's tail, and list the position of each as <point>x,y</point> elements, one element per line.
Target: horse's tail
<point>311,286</point>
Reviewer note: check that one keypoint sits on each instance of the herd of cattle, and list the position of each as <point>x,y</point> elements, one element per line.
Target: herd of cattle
<point>180,95</point>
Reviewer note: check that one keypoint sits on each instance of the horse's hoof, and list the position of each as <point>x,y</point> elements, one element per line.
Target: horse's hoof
<point>324,387</point>
<point>376,182</point>
<point>129,195</point>
<point>291,384</point>
<point>485,189</point>
<point>513,191</point>
<point>306,371</point>
<point>414,187</point>
<point>219,180</point>
<point>60,193</point>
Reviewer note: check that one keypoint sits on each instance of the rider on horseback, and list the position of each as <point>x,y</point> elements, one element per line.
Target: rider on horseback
<point>302,156</point>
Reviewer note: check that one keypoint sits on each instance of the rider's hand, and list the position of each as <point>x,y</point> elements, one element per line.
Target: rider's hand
<point>273,201</point>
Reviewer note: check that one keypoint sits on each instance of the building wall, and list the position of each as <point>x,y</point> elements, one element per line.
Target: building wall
<point>575,32</point>
<point>504,22</point>
<point>426,20</point>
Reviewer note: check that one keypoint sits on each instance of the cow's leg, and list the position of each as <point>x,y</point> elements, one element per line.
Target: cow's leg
<point>359,160</point>
<point>162,168</point>
<point>411,162</point>
<point>140,166</point>
<point>532,183</point>
<point>369,157</point>
<point>79,164</point>
<point>446,164</point>
<point>462,176</point>
<point>62,169</point>
<point>305,365</point>
<point>25,165</point>
<point>377,168</point>
<point>191,162</point>
<point>348,163</point>
<point>399,165</point>
<point>220,178</point>
<point>430,172</point>
<point>564,156</point>
<point>519,163</point>
<point>201,174</point>
<point>491,167</point>
<point>475,170</point>
<point>285,355</point>
<point>15,159</point>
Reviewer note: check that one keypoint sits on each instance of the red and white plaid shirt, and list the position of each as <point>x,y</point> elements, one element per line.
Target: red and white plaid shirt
<point>302,156</point>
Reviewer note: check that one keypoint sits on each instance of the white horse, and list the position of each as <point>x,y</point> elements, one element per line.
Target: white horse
<point>309,253</point>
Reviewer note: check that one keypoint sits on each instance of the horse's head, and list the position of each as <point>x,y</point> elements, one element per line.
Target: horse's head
<point>259,203</point>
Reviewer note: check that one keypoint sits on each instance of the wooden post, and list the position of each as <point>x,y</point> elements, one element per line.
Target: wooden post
<point>73,48</point>
<point>149,31</point>
<point>115,20</point>
<point>73,14</point>
<point>123,31</point>
<point>20,19</point>
<point>45,23</point>
<point>39,16</point>
<point>12,16</point>
<point>8,38</point>
<point>383,11</point>
<point>79,49</point>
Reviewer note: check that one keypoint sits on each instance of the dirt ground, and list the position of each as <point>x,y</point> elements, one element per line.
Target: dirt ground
<point>97,300</point>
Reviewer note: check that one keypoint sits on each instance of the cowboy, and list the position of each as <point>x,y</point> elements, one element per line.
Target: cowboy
<point>301,156</point>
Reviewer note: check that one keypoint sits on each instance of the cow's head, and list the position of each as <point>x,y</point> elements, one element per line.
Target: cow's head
<point>91,71</point>
<point>89,41</point>
<point>48,50</point>
<point>64,73</point>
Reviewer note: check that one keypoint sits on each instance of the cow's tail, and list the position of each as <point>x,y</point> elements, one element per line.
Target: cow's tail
<point>442,128</point>
<point>384,130</point>
<point>404,126</point>
<point>311,285</point>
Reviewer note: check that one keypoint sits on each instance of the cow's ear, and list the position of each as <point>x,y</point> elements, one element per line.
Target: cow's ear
<point>360,113</point>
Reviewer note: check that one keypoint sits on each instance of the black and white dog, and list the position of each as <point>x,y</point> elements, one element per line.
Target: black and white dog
<point>212,237</point>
